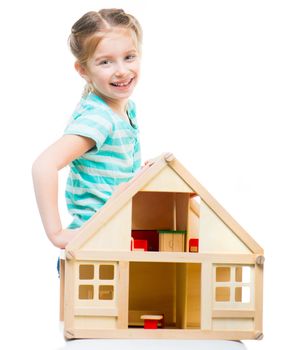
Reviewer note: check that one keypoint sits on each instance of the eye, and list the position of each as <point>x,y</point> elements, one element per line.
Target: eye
<point>104,62</point>
<point>130,57</point>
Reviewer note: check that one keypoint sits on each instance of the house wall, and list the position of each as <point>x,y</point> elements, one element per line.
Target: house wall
<point>167,181</point>
<point>215,236</point>
<point>95,322</point>
<point>115,235</point>
<point>233,324</point>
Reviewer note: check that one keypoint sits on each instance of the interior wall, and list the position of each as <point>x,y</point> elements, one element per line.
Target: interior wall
<point>152,287</point>
<point>160,211</point>
<point>173,289</point>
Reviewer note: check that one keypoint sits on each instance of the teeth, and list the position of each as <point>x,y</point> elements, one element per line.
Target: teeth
<point>121,84</point>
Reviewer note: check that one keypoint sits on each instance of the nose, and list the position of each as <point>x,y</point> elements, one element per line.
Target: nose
<point>121,69</point>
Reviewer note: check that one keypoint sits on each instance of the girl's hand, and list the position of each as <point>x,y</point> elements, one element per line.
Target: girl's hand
<point>62,238</point>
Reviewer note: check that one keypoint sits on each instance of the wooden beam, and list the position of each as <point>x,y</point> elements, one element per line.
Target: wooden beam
<point>123,289</point>
<point>95,311</point>
<point>233,314</point>
<point>176,257</point>
<point>134,333</point>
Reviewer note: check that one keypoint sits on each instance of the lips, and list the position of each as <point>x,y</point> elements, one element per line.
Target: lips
<point>122,83</point>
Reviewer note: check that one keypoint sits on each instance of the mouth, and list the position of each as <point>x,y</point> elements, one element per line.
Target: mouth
<point>122,84</point>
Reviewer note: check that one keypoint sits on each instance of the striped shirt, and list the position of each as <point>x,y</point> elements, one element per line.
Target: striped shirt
<point>114,159</point>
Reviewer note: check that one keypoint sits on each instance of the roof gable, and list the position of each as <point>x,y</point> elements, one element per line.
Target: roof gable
<point>145,179</point>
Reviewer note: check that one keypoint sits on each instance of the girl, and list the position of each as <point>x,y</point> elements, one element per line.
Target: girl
<point>101,141</point>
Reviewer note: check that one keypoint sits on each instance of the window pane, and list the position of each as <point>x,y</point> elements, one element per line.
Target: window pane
<point>105,292</point>
<point>86,272</point>
<point>106,272</point>
<point>222,274</point>
<point>242,294</point>
<point>238,274</point>
<point>242,274</point>
<point>246,274</point>
<point>85,292</point>
<point>222,294</point>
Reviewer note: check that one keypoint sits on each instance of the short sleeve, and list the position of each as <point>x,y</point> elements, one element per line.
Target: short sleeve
<point>93,125</point>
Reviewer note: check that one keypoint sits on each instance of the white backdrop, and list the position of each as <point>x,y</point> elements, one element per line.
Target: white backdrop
<point>224,87</point>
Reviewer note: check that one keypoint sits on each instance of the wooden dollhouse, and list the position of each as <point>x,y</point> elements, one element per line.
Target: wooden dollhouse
<point>162,259</point>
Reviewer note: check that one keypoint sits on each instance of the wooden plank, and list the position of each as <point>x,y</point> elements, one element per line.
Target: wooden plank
<point>123,289</point>
<point>134,333</point>
<point>259,298</point>
<point>95,311</point>
<point>248,259</point>
<point>233,314</point>
<point>69,297</point>
<point>62,286</point>
<point>216,207</point>
<point>206,296</point>
<point>193,296</point>
<point>181,295</point>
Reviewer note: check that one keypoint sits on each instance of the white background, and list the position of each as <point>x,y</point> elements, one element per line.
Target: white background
<point>224,87</point>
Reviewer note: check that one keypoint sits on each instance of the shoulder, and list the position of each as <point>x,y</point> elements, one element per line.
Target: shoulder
<point>91,108</point>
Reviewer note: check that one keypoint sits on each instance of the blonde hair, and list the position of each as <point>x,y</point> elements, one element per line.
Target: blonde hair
<point>88,31</point>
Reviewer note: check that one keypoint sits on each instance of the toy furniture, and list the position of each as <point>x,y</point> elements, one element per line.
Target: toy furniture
<point>151,321</point>
<point>207,283</point>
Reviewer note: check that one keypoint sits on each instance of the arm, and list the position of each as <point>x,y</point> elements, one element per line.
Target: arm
<point>45,179</point>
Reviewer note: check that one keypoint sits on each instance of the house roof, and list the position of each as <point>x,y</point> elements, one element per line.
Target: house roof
<point>126,191</point>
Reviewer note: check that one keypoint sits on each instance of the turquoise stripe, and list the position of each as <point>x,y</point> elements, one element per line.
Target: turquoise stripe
<point>82,207</point>
<point>87,196</point>
<point>102,166</point>
<point>121,141</point>
<point>102,180</point>
<point>114,154</point>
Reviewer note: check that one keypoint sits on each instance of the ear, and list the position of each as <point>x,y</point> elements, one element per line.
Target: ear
<point>81,69</point>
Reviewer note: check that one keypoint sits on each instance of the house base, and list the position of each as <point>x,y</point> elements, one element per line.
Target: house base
<point>161,334</point>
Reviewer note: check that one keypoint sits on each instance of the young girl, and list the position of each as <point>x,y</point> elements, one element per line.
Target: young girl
<point>101,141</point>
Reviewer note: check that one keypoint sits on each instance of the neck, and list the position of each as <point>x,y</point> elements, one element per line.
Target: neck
<point>118,106</point>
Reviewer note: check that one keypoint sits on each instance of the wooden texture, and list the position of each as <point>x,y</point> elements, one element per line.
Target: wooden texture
<point>193,300</point>
<point>152,287</point>
<point>215,236</point>
<point>132,333</point>
<point>167,181</point>
<point>152,211</point>
<point>69,297</point>
<point>259,298</point>
<point>123,289</point>
<point>114,234</point>
<point>206,296</point>
<point>62,287</point>
<point>166,257</point>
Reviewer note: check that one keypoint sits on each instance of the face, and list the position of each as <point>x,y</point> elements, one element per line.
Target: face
<point>113,70</point>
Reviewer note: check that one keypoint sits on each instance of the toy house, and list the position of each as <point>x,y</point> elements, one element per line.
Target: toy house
<point>162,259</point>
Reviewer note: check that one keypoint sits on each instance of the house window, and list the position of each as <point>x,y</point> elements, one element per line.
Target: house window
<point>233,284</point>
<point>97,281</point>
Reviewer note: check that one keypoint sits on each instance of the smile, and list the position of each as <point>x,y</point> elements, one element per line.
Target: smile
<point>122,84</point>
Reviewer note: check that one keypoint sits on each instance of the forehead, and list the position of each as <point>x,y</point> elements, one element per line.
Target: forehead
<point>116,41</point>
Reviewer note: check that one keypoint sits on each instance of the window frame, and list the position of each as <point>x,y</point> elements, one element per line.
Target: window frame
<point>232,284</point>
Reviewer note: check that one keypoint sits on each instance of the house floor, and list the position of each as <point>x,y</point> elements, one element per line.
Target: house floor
<point>98,344</point>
